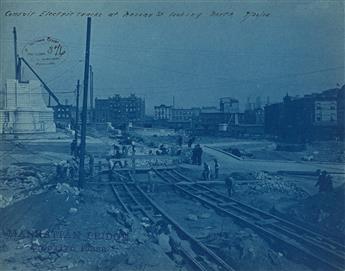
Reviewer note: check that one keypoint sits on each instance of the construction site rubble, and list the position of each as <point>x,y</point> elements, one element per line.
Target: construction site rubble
<point>264,182</point>
<point>323,209</point>
<point>65,188</point>
<point>19,182</point>
<point>246,247</point>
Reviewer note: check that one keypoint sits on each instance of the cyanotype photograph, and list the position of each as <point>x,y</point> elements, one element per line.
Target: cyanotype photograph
<point>172,135</point>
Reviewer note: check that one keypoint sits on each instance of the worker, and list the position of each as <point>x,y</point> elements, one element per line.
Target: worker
<point>133,162</point>
<point>73,147</point>
<point>322,181</point>
<point>67,169</point>
<point>329,183</point>
<point>216,169</point>
<point>193,157</point>
<point>118,159</point>
<point>110,168</point>
<point>180,140</point>
<point>99,166</point>
<point>191,141</point>
<point>59,170</point>
<point>150,188</point>
<point>206,174</point>
<point>229,184</point>
<point>91,165</point>
<point>77,150</point>
<point>198,154</point>
<point>73,168</point>
<point>133,147</point>
<point>124,151</point>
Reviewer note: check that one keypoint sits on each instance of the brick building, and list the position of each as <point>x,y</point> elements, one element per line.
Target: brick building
<point>163,112</point>
<point>317,116</point>
<point>63,115</point>
<point>120,110</point>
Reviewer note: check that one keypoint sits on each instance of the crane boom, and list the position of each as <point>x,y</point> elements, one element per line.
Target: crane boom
<point>50,92</point>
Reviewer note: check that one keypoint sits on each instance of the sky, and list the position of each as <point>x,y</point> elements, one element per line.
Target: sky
<point>265,48</point>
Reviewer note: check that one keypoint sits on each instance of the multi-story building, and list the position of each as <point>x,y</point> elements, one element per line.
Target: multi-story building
<point>175,118</point>
<point>120,110</point>
<point>63,115</point>
<point>253,116</point>
<point>318,116</point>
<point>184,114</point>
<point>163,112</point>
<point>209,120</point>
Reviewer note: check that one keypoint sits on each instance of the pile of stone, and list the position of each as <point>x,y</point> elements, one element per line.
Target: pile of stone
<point>20,182</point>
<point>246,249</point>
<point>154,162</point>
<point>5,200</point>
<point>267,183</point>
<point>65,188</point>
<point>23,177</point>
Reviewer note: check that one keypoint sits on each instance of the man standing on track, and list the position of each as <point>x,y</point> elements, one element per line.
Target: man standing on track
<point>216,169</point>
<point>198,151</point>
<point>110,168</point>
<point>229,184</point>
<point>150,182</point>
<point>206,174</point>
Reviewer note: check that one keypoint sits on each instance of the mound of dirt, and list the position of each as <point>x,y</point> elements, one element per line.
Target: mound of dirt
<point>326,210</point>
<point>20,182</point>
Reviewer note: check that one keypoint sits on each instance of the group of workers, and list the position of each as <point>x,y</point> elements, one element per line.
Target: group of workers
<point>190,141</point>
<point>207,172</point>
<point>75,148</point>
<point>68,169</point>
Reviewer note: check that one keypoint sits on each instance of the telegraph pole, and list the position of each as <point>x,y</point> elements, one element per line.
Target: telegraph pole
<point>77,115</point>
<point>91,88</point>
<point>84,109</point>
<point>91,93</point>
<point>15,53</point>
<point>17,61</point>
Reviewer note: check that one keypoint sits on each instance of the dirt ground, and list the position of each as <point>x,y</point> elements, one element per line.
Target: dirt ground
<point>49,224</point>
<point>62,229</point>
<point>295,197</point>
<point>240,246</point>
<point>317,151</point>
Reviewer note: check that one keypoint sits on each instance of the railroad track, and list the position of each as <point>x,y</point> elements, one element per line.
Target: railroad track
<point>138,204</point>
<point>317,250</point>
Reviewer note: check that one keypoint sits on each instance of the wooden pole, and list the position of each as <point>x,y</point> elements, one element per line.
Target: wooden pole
<point>15,53</point>
<point>91,88</point>
<point>77,114</point>
<point>84,109</point>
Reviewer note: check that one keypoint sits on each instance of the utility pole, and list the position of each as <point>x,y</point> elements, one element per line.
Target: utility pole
<point>77,114</point>
<point>17,62</point>
<point>91,93</point>
<point>84,109</point>
<point>91,88</point>
<point>15,53</point>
